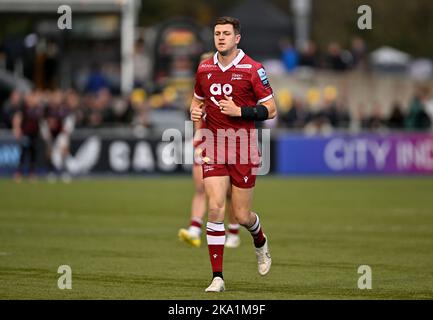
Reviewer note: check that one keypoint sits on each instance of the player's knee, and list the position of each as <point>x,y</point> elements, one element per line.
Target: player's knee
<point>216,210</point>
<point>215,215</point>
<point>243,217</point>
<point>199,190</point>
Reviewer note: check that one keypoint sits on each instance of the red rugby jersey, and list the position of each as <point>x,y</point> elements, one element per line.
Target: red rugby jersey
<point>244,80</point>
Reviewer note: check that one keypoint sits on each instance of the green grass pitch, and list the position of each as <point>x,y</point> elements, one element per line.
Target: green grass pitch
<point>119,236</point>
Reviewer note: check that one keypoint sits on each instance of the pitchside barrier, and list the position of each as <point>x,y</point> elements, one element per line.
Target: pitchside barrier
<point>360,154</point>
<point>126,152</point>
<point>116,151</point>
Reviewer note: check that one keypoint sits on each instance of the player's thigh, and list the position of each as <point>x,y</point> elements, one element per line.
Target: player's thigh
<point>216,190</point>
<point>241,202</point>
<point>197,175</point>
<point>229,192</point>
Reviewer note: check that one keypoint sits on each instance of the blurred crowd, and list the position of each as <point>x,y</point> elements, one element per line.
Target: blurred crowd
<point>314,116</point>
<point>335,57</point>
<point>96,102</point>
<point>91,110</point>
<point>101,108</point>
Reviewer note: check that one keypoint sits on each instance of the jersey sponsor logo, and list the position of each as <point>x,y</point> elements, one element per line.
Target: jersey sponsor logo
<point>215,101</point>
<point>263,77</point>
<point>244,66</point>
<point>218,89</point>
<point>206,65</point>
<point>236,76</point>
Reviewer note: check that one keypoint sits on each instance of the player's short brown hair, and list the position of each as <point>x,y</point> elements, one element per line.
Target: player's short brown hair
<point>229,20</point>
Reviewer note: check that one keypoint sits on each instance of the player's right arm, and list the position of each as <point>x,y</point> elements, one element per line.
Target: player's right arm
<point>197,102</point>
<point>196,109</point>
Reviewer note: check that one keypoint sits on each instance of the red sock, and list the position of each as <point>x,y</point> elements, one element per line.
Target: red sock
<point>215,236</point>
<point>234,228</point>
<point>196,222</point>
<point>257,233</point>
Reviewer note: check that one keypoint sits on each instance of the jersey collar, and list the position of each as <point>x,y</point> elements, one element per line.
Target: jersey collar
<point>235,61</point>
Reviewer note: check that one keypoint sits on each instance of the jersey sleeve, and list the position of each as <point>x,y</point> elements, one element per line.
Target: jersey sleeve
<point>261,86</point>
<point>198,92</point>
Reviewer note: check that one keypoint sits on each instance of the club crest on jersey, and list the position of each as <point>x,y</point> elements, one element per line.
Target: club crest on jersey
<point>263,77</point>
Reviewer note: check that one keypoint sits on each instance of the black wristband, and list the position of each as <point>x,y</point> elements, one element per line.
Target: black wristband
<point>257,113</point>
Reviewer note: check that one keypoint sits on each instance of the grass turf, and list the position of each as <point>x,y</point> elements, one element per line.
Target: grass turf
<point>120,238</point>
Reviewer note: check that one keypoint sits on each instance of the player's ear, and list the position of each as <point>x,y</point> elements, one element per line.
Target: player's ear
<point>238,38</point>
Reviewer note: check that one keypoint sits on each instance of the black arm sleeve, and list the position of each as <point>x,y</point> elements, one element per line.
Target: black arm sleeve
<point>257,113</point>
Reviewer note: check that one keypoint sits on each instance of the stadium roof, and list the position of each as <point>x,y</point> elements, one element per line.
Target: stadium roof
<point>127,9</point>
<point>52,5</point>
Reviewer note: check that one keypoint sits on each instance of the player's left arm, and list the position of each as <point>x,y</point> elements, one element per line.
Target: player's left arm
<point>271,106</point>
<point>260,112</point>
<point>264,109</point>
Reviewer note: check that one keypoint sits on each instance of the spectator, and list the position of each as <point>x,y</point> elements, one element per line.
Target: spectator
<point>308,56</point>
<point>169,96</point>
<point>26,127</point>
<point>329,110</point>
<point>59,126</point>
<point>334,58</point>
<point>142,65</point>
<point>359,53</point>
<point>319,125</point>
<point>417,118</point>
<point>289,55</point>
<point>376,120</point>
<point>359,122</point>
<point>100,109</point>
<point>10,107</point>
<point>140,105</point>
<point>428,107</point>
<point>122,111</point>
<point>297,116</point>
<point>73,103</point>
<point>97,80</point>
<point>396,118</point>
<point>343,114</point>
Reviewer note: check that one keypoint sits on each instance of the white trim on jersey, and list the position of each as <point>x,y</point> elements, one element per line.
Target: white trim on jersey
<point>235,61</point>
<point>198,97</point>
<point>265,99</point>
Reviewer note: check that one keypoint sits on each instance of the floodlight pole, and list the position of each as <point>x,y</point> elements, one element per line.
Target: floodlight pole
<point>128,19</point>
<point>301,11</point>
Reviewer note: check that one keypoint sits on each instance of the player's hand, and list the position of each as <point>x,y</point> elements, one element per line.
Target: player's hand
<point>197,112</point>
<point>229,108</point>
